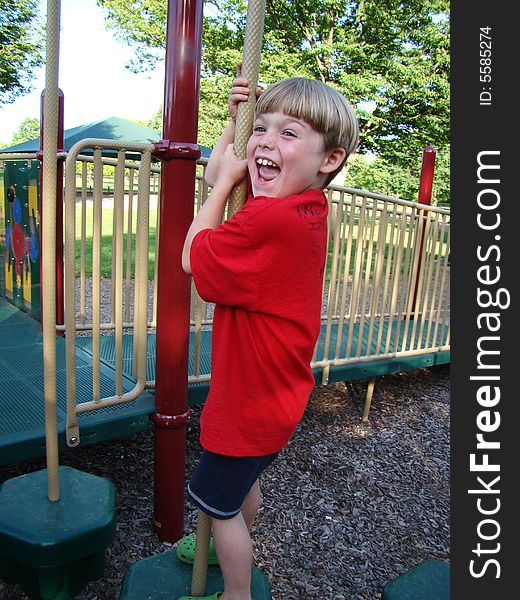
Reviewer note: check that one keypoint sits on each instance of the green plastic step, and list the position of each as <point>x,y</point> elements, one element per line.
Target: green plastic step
<point>165,577</point>
<point>428,581</point>
<point>53,549</point>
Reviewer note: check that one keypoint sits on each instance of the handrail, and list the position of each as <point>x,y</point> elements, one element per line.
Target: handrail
<point>141,277</point>
<point>374,265</point>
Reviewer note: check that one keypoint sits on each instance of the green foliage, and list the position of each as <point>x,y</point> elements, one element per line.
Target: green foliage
<point>384,177</point>
<point>140,23</point>
<point>156,121</point>
<point>390,58</point>
<point>28,130</point>
<point>20,47</point>
<point>213,111</point>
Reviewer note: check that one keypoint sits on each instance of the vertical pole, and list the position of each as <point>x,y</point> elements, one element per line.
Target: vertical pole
<point>426,180</point>
<point>176,204</point>
<point>48,246</point>
<point>244,126</point>
<point>368,398</point>
<point>246,110</point>
<point>60,318</point>
<point>424,197</point>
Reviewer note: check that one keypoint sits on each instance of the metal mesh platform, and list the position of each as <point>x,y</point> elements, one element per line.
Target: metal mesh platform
<point>21,401</point>
<point>21,378</point>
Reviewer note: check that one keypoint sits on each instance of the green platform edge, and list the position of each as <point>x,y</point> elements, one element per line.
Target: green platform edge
<point>165,577</point>
<point>429,580</point>
<point>53,549</point>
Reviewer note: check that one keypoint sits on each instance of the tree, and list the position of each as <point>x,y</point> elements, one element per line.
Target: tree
<point>389,57</point>
<point>28,130</point>
<point>20,47</point>
<point>385,177</point>
<point>156,121</point>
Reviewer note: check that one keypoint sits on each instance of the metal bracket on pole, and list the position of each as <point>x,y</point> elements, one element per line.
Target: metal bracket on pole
<point>166,150</point>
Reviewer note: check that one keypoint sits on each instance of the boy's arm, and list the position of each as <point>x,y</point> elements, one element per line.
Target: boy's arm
<point>231,171</point>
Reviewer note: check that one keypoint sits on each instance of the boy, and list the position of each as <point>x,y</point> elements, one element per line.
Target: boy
<point>264,270</point>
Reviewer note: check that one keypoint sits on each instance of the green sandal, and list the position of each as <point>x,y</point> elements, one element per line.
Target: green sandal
<point>186,551</point>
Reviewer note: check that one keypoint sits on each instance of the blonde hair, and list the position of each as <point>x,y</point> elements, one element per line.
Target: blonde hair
<point>318,104</point>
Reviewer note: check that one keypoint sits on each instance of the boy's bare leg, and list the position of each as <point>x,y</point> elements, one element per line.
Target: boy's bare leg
<point>235,556</point>
<point>234,547</point>
<point>251,504</point>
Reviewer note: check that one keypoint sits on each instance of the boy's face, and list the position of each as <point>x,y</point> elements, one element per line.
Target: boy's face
<point>285,156</point>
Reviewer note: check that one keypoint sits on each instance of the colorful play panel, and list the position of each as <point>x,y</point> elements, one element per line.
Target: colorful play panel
<point>20,224</point>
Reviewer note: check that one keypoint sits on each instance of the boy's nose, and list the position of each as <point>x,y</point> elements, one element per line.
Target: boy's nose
<point>265,142</point>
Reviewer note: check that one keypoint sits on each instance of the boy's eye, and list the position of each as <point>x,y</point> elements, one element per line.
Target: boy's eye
<point>259,129</point>
<point>289,133</point>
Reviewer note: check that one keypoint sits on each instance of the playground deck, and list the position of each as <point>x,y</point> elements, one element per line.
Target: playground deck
<point>22,431</point>
<point>21,379</point>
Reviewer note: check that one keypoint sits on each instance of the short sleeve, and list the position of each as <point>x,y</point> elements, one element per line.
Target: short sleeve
<point>224,266</point>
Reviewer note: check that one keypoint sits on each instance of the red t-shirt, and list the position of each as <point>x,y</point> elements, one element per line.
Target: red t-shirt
<point>264,270</point>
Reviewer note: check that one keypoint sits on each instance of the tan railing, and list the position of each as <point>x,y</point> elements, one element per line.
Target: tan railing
<point>386,286</point>
<point>140,280</point>
<point>89,185</point>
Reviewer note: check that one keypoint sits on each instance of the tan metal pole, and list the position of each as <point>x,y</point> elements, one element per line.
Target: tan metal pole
<point>50,116</point>
<point>245,115</point>
<point>246,110</point>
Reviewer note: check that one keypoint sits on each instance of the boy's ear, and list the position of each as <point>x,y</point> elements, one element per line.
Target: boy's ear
<point>333,160</point>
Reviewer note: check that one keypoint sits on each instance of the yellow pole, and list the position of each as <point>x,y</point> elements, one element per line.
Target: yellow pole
<point>244,126</point>
<point>50,134</point>
<point>246,110</point>
<point>200,563</point>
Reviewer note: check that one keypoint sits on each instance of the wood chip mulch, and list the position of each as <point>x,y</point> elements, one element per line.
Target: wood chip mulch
<point>347,506</point>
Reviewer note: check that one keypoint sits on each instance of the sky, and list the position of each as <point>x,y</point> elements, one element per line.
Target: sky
<point>92,75</point>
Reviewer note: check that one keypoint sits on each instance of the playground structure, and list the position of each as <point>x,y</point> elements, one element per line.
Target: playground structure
<point>386,302</point>
<point>378,281</point>
<point>385,309</point>
<point>371,323</point>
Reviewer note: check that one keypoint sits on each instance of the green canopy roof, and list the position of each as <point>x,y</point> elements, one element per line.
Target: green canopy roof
<point>113,128</point>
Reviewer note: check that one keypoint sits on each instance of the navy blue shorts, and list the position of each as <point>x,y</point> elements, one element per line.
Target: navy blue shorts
<point>220,483</point>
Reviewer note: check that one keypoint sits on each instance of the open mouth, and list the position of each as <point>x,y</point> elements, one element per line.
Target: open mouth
<point>267,169</point>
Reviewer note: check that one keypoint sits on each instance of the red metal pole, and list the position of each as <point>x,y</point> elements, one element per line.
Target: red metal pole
<point>179,151</point>
<point>426,181</point>
<point>60,319</point>
<point>424,197</point>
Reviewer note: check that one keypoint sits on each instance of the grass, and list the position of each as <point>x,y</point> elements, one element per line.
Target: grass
<point>106,241</point>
